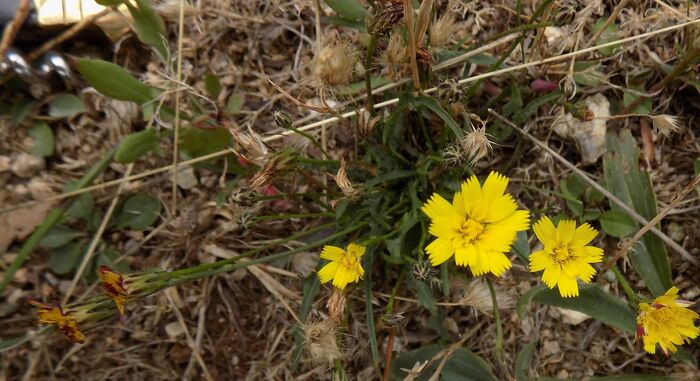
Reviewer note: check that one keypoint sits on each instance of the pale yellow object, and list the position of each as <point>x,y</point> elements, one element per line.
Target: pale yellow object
<point>66,12</point>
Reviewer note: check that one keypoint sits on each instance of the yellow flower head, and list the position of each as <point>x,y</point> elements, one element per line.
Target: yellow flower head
<point>344,266</point>
<point>667,321</point>
<point>66,324</point>
<point>566,255</point>
<point>478,227</point>
<point>114,286</point>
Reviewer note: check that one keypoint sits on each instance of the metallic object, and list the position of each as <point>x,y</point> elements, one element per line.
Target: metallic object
<point>41,76</point>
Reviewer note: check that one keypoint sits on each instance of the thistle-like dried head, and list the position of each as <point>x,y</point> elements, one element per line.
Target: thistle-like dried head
<point>335,63</point>
<point>666,124</point>
<point>477,145</point>
<point>442,30</point>
<point>321,342</point>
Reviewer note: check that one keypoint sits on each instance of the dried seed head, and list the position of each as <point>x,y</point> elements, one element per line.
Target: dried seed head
<point>477,294</point>
<point>423,271</point>
<point>277,163</point>
<point>450,92</point>
<point>442,30</point>
<point>424,58</point>
<point>395,50</point>
<point>341,178</point>
<point>476,145</point>
<point>335,63</point>
<point>666,124</point>
<point>336,305</point>
<point>321,342</point>
<point>385,20</point>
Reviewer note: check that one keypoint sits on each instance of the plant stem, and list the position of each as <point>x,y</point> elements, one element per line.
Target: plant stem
<point>625,285</point>
<point>368,72</point>
<point>293,215</point>
<point>499,329</point>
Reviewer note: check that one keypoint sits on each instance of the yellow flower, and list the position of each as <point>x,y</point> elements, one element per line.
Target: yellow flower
<point>114,286</point>
<point>667,321</point>
<point>566,255</point>
<point>478,227</point>
<point>66,324</point>
<point>344,267</point>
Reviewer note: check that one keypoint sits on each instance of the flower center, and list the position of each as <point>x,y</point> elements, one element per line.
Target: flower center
<point>471,229</point>
<point>562,254</point>
<point>349,261</point>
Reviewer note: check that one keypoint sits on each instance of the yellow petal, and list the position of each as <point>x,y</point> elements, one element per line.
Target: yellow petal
<point>500,208</point>
<point>568,287</point>
<point>437,207</point>
<point>584,235</point>
<point>565,231</point>
<point>458,204</point>
<point>439,251</point>
<point>498,263</point>
<point>545,231</point>
<point>328,271</point>
<point>357,250</point>
<point>551,275</point>
<point>332,253</point>
<point>540,260</point>
<point>495,185</point>
<point>471,192</point>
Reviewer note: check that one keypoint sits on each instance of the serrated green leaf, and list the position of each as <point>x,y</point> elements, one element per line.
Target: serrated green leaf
<point>139,211</point>
<point>149,27</point>
<point>65,106</point>
<point>349,9</point>
<point>42,136</point>
<point>64,259</point>
<point>617,224</point>
<point>58,236</point>
<point>425,296</point>
<point>132,147</point>
<point>113,81</point>
<point>592,301</point>
<point>462,365</point>
<point>631,185</point>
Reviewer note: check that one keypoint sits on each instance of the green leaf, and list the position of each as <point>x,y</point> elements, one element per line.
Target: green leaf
<point>132,147</point>
<point>350,9</point>
<point>631,185</point>
<point>20,110</point>
<point>149,27</point>
<point>369,307</point>
<point>521,247</point>
<point>82,207</point>
<point>592,301</point>
<point>524,361</point>
<point>360,86</point>
<point>617,224</point>
<point>113,81</point>
<point>462,365</point>
<point>643,108</point>
<point>212,85</point>
<point>435,107</point>
<point>139,211</point>
<point>311,288</point>
<point>234,104</point>
<point>525,299</point>
<point>42,135</point>
<point>64,259</point>
<point>342,21</point>
<point>611,33</point>
<point>197,142</point>
<point>66,106</point>
<point>425,296</point>
<point>58,236</point>
<point>588,73</point>
<point>622,377</point>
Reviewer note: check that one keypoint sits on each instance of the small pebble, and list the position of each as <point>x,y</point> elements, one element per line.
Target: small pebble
<point>26,165</point>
